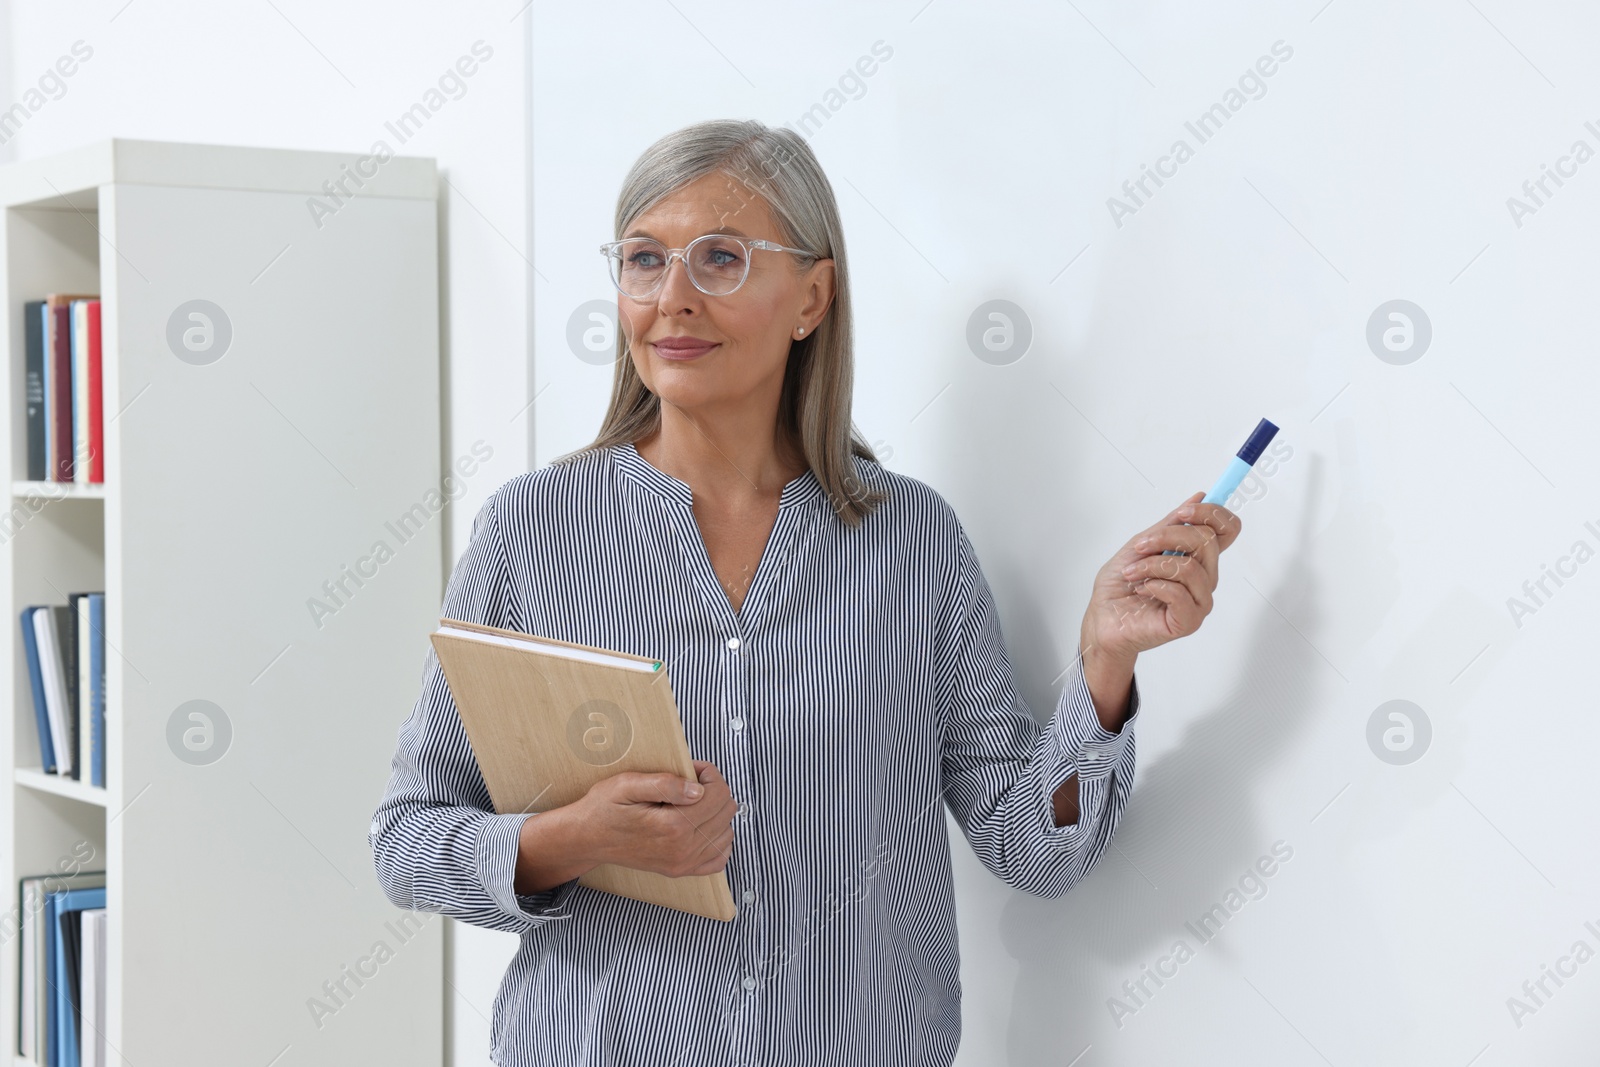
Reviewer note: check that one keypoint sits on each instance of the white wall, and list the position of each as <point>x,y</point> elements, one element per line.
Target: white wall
<point>329,76</point>
<point>976,164</point>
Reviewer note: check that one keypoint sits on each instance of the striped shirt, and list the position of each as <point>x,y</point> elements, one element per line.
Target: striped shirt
<point>862,682</point>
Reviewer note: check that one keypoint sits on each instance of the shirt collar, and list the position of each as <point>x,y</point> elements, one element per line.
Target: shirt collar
<point>630,462</point>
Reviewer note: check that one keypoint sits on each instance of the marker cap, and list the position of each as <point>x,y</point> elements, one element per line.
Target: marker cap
<point>1259,440</point>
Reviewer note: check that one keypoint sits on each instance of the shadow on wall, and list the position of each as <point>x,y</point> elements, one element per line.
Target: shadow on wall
<point>1193,816</point>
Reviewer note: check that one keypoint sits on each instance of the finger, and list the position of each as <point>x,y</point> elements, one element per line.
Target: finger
<point>1200,544</point>
<point>657,789</point>
<point>1172,516</point>
<point>1191,571</point>
<point>1226,524</point>
<point>1176,596</point>
<point>714,813</point>
<point>1190,540</point>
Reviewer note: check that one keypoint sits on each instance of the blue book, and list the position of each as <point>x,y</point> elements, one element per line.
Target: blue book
<point>64,1051</point>
<point>52,1051</point>
<point>97,692</point>
<point>41,711</point>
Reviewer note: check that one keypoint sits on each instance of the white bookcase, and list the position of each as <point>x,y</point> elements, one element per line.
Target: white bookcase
<point>240,891</point>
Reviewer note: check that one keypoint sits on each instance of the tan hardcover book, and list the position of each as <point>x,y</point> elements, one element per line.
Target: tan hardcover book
<point>547,719</point>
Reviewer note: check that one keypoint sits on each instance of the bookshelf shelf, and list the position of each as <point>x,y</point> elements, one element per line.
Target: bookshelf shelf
<point>71,788</point>
<point>246,739</point>
<point>58,491</point>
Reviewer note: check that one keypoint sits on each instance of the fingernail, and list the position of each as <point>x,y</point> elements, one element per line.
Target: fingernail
<point>1128,570</point>
<point>692,790</point>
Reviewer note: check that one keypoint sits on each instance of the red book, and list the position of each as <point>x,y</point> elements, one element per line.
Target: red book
<point>97,449</point>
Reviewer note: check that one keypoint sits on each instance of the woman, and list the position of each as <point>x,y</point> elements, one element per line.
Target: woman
<point>834,649</point>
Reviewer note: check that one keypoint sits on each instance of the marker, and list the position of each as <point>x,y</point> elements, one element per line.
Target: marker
<point>1242,462</point>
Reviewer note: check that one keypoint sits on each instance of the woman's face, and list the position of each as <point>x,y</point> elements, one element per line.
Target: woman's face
<point>749,330</point>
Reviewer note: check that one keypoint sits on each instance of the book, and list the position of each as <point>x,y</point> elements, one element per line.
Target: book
<point>97,690</point>
<point>41,710</point>
<point>35,1006</point>
<point>547,719</point>
<point>61,910</point>
<point>65,653</point>
<point>81,636</point>
<point>47,633</point>
<point>67,649</point>
<point>79,310</point>
<point>59,391</point>
<point>33,383</point>
<point>92,979</point>
<point>96,409</point>
<point>71,942</point>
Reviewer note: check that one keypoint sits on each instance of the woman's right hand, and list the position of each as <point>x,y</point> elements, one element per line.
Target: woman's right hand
<point>650,823</point>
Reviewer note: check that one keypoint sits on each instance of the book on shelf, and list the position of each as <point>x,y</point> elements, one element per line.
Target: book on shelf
<point>62,963</point>
<point>65,651</point>
<point>63,389</point>
<point>92,979</point>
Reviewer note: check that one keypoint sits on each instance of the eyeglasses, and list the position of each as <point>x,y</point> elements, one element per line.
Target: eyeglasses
<point>717,263</point>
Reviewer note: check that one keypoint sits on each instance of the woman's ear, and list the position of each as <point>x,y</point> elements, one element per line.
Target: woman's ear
<point>820,292</point>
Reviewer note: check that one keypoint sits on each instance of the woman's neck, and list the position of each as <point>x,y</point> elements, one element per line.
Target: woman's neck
<point>722,464</point>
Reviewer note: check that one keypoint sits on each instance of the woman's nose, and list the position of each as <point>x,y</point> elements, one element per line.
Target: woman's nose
<point>676,284</point>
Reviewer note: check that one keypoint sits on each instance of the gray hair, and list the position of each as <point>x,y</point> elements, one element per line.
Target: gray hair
<point>814,409</point>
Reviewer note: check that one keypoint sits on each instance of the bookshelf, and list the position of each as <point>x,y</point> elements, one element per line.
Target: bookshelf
<point>240,890</point>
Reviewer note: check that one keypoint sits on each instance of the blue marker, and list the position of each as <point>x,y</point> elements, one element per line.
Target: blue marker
<point>1242,462</point>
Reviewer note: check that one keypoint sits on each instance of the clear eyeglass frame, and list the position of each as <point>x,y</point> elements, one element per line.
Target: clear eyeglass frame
<point>613,250</point>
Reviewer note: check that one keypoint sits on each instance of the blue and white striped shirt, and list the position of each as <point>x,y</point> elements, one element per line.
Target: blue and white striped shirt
<point>862,682</point>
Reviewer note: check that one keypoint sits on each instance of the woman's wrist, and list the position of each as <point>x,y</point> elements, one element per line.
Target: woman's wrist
<point>551,849</point>
<point>1109,676</point>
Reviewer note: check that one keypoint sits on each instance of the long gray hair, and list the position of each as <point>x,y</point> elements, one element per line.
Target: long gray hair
<point>814,407</point>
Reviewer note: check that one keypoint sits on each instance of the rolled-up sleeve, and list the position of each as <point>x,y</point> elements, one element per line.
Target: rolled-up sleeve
<point>436,842</point>
<point>1001,769</point>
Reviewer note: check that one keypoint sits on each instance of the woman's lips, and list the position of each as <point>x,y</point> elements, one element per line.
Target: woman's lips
<point>681,350</point>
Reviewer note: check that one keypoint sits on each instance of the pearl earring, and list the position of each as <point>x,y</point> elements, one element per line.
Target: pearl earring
<point>801,332</point>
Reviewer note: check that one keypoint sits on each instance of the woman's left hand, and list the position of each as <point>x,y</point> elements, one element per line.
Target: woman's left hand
<point>1142,598</point>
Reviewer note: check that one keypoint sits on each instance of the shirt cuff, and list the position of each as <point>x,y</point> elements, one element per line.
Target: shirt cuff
<point>497,871</point>
<point>1080,739</point>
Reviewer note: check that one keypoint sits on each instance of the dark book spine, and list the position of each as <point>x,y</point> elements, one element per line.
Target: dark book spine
<point>61,388</point>
<point>33,369</point>
<point>66,619</point>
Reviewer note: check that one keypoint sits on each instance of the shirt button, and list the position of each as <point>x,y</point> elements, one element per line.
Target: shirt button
<point>749,982</point>
<point>733,644</point>
<point>749,895</point>
<point>737,724</point>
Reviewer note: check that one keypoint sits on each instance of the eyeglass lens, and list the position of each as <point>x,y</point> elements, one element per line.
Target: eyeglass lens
<point>717,265</point>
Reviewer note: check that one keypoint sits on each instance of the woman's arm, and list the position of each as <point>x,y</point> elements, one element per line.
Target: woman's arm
<point>1143,598</point>
<point>1110,681</point>
<point>1003,773</point>
<point>437,843</point>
